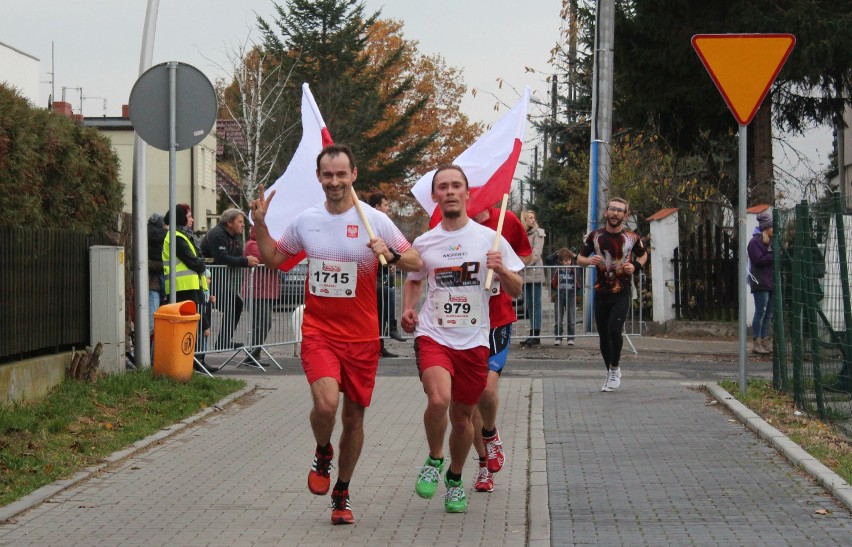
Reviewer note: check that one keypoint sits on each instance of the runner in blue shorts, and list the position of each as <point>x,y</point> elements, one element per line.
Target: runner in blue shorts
<point>486,439</point>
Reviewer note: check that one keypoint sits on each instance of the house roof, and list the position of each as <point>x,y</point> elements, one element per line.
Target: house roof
<point>103,122</point>
<point>662,213</point>
<point>227,130</point>
<point>226,183</point>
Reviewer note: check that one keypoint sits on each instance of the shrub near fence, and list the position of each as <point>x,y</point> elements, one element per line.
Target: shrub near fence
<point>44,291</point>
<point>812,355</point>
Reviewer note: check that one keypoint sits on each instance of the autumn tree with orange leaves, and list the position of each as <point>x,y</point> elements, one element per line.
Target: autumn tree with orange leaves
<point>397,108</point>
<point>450,131</point>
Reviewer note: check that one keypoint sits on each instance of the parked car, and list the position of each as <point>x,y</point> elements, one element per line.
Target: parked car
<point>292,293</point>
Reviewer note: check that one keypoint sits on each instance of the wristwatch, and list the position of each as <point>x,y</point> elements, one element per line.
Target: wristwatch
<point>396,256</point>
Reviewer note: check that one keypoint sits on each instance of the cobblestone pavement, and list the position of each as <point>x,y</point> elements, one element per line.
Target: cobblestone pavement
<point>650,464</point>
<point>653,464</point>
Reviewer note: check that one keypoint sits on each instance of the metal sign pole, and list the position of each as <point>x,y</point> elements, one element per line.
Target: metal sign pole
<point>172,162</point>
<point>743,252</point>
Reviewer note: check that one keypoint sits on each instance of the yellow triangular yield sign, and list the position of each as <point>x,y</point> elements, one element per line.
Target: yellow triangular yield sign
<point>743,66</point>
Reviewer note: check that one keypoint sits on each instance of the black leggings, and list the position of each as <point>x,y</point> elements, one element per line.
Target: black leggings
<point>610,314</point>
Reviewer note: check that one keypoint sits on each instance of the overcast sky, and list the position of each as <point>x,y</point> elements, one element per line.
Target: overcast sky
<point>97,45</point>
<point>97,42</point>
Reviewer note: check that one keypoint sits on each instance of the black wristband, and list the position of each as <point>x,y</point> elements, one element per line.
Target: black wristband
<point>636,265</point>
<point>396,256</point>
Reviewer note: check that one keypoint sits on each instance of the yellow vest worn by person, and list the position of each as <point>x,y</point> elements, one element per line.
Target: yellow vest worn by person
<point>185,278</point>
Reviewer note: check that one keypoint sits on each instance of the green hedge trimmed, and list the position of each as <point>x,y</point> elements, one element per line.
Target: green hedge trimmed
<point>55,173</point>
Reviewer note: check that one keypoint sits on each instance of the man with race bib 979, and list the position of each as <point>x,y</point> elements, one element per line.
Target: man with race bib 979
<point>451,339</point>
<point>340,337</point>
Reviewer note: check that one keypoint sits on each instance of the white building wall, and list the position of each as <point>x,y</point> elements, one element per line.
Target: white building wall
<point>20,71</point>
<point>203,177</point>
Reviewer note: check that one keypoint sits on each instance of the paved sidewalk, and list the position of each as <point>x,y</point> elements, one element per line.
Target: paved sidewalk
<point>240,478</point>
<point>654,463</point>
<point>650,464</point>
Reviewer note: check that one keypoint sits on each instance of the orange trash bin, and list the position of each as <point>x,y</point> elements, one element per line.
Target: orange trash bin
<point>175,331</point>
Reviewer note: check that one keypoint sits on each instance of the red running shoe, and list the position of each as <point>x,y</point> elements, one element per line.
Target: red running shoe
<point>319,480</point>
<point>484,482</point>
<point>341,511</point>
<point>494,449</point>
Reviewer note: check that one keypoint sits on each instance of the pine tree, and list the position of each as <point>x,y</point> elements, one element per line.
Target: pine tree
<point>325,43</point>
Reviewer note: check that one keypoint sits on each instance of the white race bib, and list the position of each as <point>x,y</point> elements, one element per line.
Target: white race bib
<point>333,279</point>
<point>460,309</point>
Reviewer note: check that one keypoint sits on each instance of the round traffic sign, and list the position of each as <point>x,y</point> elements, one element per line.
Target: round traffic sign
<point>195,106</point>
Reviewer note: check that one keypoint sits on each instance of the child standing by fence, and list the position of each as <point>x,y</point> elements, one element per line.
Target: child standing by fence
<point>564,295</point>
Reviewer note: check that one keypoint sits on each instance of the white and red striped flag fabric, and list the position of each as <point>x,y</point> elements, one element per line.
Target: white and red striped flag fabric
<point>298,189</point>
<point>489,164</point>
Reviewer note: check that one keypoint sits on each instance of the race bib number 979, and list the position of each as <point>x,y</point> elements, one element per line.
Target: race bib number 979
<point>454,310</point>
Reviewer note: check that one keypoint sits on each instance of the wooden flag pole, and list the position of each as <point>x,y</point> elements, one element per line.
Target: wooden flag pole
<point>366,222</point>
<point>496,245</point>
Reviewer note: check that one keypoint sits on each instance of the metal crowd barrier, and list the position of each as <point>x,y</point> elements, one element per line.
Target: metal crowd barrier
<point>253,311</point>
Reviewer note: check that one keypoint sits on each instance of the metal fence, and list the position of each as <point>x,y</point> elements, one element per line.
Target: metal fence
<point>812,323</point>
<point>44,287</point>
<point>250,323</point>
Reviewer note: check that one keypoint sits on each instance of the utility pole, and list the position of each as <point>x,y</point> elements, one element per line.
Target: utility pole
<point>573,29</point>
<point>141,346</point>
<point>601,134</point>
<point>553,101</point>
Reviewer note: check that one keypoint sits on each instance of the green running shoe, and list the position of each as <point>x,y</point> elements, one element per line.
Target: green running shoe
<point>455,501</point>
<point>427,480</point>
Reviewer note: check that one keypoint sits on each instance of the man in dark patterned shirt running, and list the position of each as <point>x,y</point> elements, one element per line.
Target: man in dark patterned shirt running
<point>617,253</point>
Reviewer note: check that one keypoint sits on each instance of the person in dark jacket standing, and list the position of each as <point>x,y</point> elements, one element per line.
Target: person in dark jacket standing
<point>224,245</point>
<point>156,281</point>
<point>762,281</point>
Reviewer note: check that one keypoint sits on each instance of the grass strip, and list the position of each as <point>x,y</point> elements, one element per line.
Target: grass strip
<point>79,423</point>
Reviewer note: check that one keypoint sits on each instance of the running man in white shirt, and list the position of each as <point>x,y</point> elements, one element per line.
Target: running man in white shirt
<point>451,340</point>
<point>340,338</point>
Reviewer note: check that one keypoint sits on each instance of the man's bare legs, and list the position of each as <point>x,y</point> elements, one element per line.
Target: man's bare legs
<point>326,396</point>
<point>461,435</point>
<point>485,414</point>
<point>437,384</point>
<point>351,439</point>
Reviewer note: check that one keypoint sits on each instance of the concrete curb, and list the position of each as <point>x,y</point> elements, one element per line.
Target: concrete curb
<point>49,490</point>
<point>839,488</point>
<point>538,506</point>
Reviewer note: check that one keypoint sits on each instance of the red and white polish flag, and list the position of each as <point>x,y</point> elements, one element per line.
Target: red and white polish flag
<point>298,189</point>
<point>489,164</point>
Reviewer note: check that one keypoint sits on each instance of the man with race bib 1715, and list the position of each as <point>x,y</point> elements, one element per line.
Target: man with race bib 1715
<point>451,340</point>
<point>340,338</point>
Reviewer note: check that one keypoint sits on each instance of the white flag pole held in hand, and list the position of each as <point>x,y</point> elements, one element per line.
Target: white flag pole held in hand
<point>490,276</point>
<point>369,228</point>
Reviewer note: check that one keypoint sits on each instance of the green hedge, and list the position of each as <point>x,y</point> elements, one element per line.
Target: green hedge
<point>55,173</point>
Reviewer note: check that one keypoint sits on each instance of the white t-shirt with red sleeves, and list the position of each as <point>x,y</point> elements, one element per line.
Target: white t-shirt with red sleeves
<point>340,295</point>
<point>455,312</point>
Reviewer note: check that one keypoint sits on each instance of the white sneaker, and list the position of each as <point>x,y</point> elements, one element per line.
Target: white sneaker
<point>605,387</point>
<point>570,342</point>
<point>613,379</point>
<point>557,342</point>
